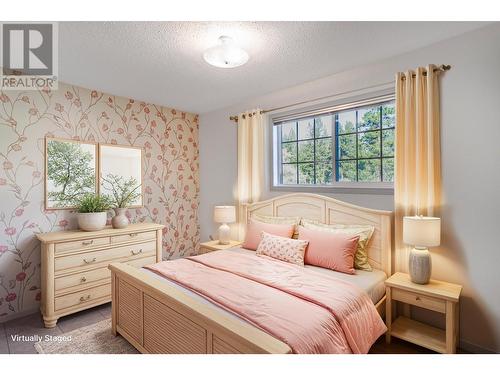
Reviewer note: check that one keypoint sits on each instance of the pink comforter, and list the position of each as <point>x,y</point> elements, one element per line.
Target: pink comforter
<point>309,311</point>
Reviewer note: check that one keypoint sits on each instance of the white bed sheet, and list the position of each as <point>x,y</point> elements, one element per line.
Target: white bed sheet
<point>371,282</point>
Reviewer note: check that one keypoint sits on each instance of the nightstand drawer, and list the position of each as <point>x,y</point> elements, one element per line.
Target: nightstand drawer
<point>419,300</point>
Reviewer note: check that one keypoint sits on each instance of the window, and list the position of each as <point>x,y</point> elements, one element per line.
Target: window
<point>337,147</point>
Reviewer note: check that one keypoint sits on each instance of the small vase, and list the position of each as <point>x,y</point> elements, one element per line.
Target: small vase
<point>120,220</point>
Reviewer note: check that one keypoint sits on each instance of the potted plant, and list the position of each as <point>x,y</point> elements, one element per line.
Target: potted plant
<point>122,194</point>
<point>92,212</point>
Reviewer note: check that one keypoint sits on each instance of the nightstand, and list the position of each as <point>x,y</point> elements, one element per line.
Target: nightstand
<point>436,296</point>
<point>206,247</point>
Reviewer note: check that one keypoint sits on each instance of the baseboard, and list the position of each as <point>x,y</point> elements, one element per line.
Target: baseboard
<point>473,348</point>
<point>19,314</point>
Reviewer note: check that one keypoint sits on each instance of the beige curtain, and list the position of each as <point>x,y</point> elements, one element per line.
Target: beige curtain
<point>250,159</point>
<point>417,182</point>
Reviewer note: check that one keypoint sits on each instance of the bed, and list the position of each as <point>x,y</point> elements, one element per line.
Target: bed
<point>159,316</point>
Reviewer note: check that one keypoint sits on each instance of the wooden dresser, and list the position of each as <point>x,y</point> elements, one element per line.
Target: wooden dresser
<point>75,274</point>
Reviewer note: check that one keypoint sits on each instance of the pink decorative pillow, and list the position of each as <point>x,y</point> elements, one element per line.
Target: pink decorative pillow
<point>255,229</point>
<point>334,251</point>
<point>282,248</point>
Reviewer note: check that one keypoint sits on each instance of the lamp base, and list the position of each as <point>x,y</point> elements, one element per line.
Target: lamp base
<point>224,234</point>
<point>420,265</point>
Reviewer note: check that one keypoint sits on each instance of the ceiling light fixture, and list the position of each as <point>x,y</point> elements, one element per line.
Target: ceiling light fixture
<point>226,54</point>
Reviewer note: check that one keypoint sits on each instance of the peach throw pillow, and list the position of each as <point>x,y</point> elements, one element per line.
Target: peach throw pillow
<point>364,232</point>
<point>255,229</point>
<point>334,251</point>
<point>282,248</point>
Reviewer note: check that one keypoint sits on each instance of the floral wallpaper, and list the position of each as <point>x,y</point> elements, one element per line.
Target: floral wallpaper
<point>170,166</point>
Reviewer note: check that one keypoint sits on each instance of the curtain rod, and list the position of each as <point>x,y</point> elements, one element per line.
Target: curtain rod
<point>441,68</point>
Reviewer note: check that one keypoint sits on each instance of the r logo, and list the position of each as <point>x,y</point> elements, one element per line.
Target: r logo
<point>28,48</point>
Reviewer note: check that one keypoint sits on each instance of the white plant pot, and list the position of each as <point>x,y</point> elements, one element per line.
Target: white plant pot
<point>92,221</point>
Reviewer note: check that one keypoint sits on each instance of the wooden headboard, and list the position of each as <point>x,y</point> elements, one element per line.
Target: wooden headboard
<point>331,211</point>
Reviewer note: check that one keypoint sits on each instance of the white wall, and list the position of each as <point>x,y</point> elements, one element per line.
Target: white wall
<point>470,108</point>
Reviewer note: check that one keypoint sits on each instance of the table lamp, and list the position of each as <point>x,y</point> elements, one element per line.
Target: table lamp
<point>421,232</point>
<point>224,215</point>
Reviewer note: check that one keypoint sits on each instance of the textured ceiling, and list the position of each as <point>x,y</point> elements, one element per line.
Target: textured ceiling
<point>161,62</point>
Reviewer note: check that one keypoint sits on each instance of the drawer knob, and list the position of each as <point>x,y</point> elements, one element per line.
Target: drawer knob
<point>88,261</point>
<point>133,234</point>
<point>86,243</point>
<point>85,298</point>
<point>83,279</point>
<point>417,298</point>
<point>134,252</point>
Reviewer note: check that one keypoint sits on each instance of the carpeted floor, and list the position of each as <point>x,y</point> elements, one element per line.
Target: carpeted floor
<point>94,339</point>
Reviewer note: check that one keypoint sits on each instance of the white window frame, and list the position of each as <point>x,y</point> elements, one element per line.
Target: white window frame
<point>349,187</point>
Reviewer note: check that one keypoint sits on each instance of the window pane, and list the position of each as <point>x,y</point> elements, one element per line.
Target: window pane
<point>346,122</point>
<point>306,173</point>
<point>369,118</point>
<point>288,131</point>
<point>324,173</point>
<point>388,169</point>
<point>388,115</point>
<point>289,174</point>
<point>324,126</point>
<point>388,142</point>
<point>347,146</point>
<point>364,147</point>
<point>324,149</point>
<point>369,170</point>
<point>347,171</point>
<point>306,151</point>
<point>306,129</point>
<point>369,144</point>
<point>289,152</point>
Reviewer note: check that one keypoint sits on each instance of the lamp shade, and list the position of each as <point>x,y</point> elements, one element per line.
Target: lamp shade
<point>224,214</point>
<point>422,231</point>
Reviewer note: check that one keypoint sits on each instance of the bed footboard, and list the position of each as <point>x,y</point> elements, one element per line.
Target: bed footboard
<point>158,318</point>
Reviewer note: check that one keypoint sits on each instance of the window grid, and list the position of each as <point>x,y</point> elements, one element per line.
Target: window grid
<point>357,146</point>
<point>314,151</point>
<point>380,130</point>
<point>296,161</point>
<point>336,159</point>
<point>381,146</point>
<point>297,150</point>
<point>305,139</point>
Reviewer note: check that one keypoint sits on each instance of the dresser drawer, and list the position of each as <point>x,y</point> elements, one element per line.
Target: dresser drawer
<point>139,236</point>
<point>419,300</point>
<point>81,278</point>
<point>81,244</point>
<point>106,255</point>
<point>83,297</point>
